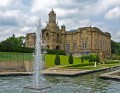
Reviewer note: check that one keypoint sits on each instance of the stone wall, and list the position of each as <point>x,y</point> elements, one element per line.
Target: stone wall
<point>15,66</point>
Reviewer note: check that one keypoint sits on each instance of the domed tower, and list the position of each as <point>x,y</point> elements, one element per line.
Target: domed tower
<point>52,17</point>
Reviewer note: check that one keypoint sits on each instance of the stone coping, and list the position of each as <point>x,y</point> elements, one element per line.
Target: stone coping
<point>56,71</point>
<point>15,73</point>
<point>115,75</point>
<point>70,72</point>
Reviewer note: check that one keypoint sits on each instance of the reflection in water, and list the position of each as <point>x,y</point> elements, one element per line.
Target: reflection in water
<point>82,84</point>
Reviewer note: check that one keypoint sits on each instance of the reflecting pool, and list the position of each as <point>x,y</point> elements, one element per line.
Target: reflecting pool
<point>90,83</point>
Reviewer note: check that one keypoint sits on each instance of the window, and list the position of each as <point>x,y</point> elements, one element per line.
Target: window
<point>84,45</point>
<point>74,46</point>
<point>67,46</point>
<point>47,36</point>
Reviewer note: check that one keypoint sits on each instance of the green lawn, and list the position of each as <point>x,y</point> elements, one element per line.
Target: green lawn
<point>91,66</point>
<point>11,57</point>
<point>49,60</point>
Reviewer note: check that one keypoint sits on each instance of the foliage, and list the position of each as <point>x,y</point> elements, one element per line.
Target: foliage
<point>115,47</point>
<point>14,44</point>
<point>82,59</point>
<point>70,60</point>
<point>91,58</point>
<point>86,57</point>
<point>61,52</point>
<point>80,65</point>
<point>97,58</point>
<point>57,59</point>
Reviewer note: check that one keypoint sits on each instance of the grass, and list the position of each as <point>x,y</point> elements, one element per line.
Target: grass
<point>12,57</point>
<point>91,67</point>
<point>49,61</point>
<point>49,58</point>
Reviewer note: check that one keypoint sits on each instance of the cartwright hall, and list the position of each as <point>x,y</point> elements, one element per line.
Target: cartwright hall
<point>80,40</point>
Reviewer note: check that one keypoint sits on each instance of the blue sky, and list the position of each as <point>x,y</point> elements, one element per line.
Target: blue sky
<point>20,16</point>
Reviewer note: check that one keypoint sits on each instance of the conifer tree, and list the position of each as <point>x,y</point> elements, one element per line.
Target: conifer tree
<point>82,59</point>
<point>57,59</point>
<point>70,60</point>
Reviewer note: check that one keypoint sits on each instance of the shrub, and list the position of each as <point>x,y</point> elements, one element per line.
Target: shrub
<point>91,58</point>
<point>70,60</point>
<point>61,52</point>
<point>57,59</point>
<point>97,58</point>
<point>80,65</point>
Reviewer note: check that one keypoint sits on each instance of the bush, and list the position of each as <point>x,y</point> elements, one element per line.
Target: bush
<point>91,58</point>
<point>57,59</point>
<point>97,58</point>
<point>70,60</point>
<point>16,49</point>
<point>61,52</point>
<point>80,65</point>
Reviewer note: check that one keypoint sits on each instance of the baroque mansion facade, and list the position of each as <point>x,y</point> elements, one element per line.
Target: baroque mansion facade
<point>81,40</point>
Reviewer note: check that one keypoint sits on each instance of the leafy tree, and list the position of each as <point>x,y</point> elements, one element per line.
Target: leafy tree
<point>57,59</point>
<point>82,59</point>
<point>115,47</point>
<point>12,44</point>
<point>70,60</point>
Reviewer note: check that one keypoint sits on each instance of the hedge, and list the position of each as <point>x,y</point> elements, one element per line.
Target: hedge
<point>60,52</point>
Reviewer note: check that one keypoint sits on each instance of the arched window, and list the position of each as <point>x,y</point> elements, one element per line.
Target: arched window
<point>57,47</point>
<point>47,36</point>
<point>48,46</point>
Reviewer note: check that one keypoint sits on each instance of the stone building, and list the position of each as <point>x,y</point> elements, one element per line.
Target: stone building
<point>81,40</point>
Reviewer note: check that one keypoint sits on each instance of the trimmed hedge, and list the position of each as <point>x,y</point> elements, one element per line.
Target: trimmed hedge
<point>80,65</point>
<point>16,49</point>
<point>60,52</point>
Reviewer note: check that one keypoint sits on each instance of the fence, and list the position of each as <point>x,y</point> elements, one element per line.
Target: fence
<point>15,57</point>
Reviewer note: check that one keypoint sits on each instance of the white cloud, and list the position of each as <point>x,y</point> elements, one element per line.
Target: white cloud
<point>4,3</point>
<point>20,17</point>
<point>103,5</point>
<point>63,13</point>
<point>42,5</point>
<point>117,36</point>
<point>113,13</point>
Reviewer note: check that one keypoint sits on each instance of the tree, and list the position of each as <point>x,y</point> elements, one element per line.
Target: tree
<point>70,60</point>
<point>11,44</point>
<point>57,59</point>
<point>115,47</point>
<point>82,59</point>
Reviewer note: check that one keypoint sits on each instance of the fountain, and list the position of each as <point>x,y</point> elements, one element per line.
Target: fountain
<point>38,82</point>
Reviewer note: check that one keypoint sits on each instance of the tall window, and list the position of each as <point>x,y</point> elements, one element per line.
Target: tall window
<point>67,46</point>
<point>74,46</point>
<point>84,45</point>
<point>47,36</point>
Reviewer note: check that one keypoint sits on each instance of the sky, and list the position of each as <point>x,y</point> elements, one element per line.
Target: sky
<point>19,17</point>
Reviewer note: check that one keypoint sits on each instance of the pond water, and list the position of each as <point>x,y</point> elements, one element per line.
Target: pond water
<point>90,83</point>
